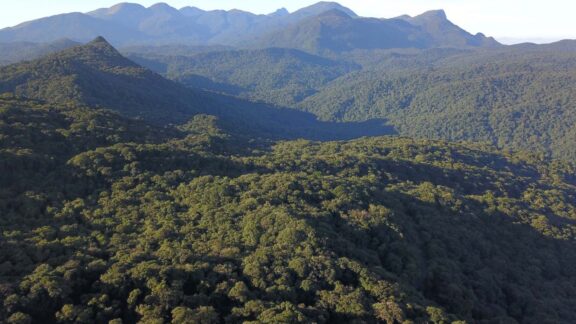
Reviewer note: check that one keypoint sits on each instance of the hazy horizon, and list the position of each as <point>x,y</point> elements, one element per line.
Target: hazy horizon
<point>510,22</point>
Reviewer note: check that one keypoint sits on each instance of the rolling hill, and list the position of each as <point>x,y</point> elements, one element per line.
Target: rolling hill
<point>275,75</point>
<point>97,75</point>
<point>515,97</point>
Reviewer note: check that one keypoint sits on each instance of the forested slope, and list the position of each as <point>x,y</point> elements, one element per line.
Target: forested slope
<point>519,97</point>
<point>129,198</point>
<point>279,76</point>
<point>96,75</point>
<point>512,98</point>
<point>15,52</point>
<point>106,218</point>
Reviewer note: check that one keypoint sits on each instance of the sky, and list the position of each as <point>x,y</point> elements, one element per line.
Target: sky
<point>509,21</point>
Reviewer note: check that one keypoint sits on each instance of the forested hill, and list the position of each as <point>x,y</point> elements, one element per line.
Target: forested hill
<point>275,75</point>
<point>95,74</point>
<point>110,219</point>
<point>519,97</point>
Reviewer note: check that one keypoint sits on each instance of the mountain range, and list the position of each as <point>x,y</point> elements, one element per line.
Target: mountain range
<point>325,26</point>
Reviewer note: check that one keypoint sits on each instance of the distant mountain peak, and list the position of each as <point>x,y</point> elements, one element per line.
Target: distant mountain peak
<point>124,9</point>
<point>439,14</point>
<point>328,4</point>
<point>191,11</point>
<point>162,6</point>
<point>125,6</point>
<point>335,13</point>
<point>99,41</point>
<point>323,6</point>
<point>279,13</point>
<point>445,32</point>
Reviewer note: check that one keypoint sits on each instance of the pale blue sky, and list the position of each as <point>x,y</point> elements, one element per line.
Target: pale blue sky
<point>508,20</point>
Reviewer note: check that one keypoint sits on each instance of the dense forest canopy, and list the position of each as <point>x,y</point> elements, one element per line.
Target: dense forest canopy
<point>97,75</point>
<point>519,97</point>
<point>105,218</point>
<point>439,82</point>
<point>423,176</point>
<point>511,98</point>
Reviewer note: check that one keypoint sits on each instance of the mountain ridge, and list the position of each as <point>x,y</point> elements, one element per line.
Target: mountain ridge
<point>133,24</point>
<point>97,75</point>
<point>443,32</point>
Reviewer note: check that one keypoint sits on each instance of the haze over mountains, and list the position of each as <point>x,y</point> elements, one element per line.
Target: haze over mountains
<point>325,26</point>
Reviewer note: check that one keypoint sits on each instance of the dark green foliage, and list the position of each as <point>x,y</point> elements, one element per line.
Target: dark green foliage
<point>511,98</point>
<point>38,139</point>
<point>279,76</point>
<point>95,74</point>
<point>108,219</point>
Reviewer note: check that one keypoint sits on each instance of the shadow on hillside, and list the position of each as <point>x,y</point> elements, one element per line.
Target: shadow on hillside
<point>478,265</point>
<point>200,82</point>
<point>265,120</point>
<point>495,161</point>
<point>467,182</point>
